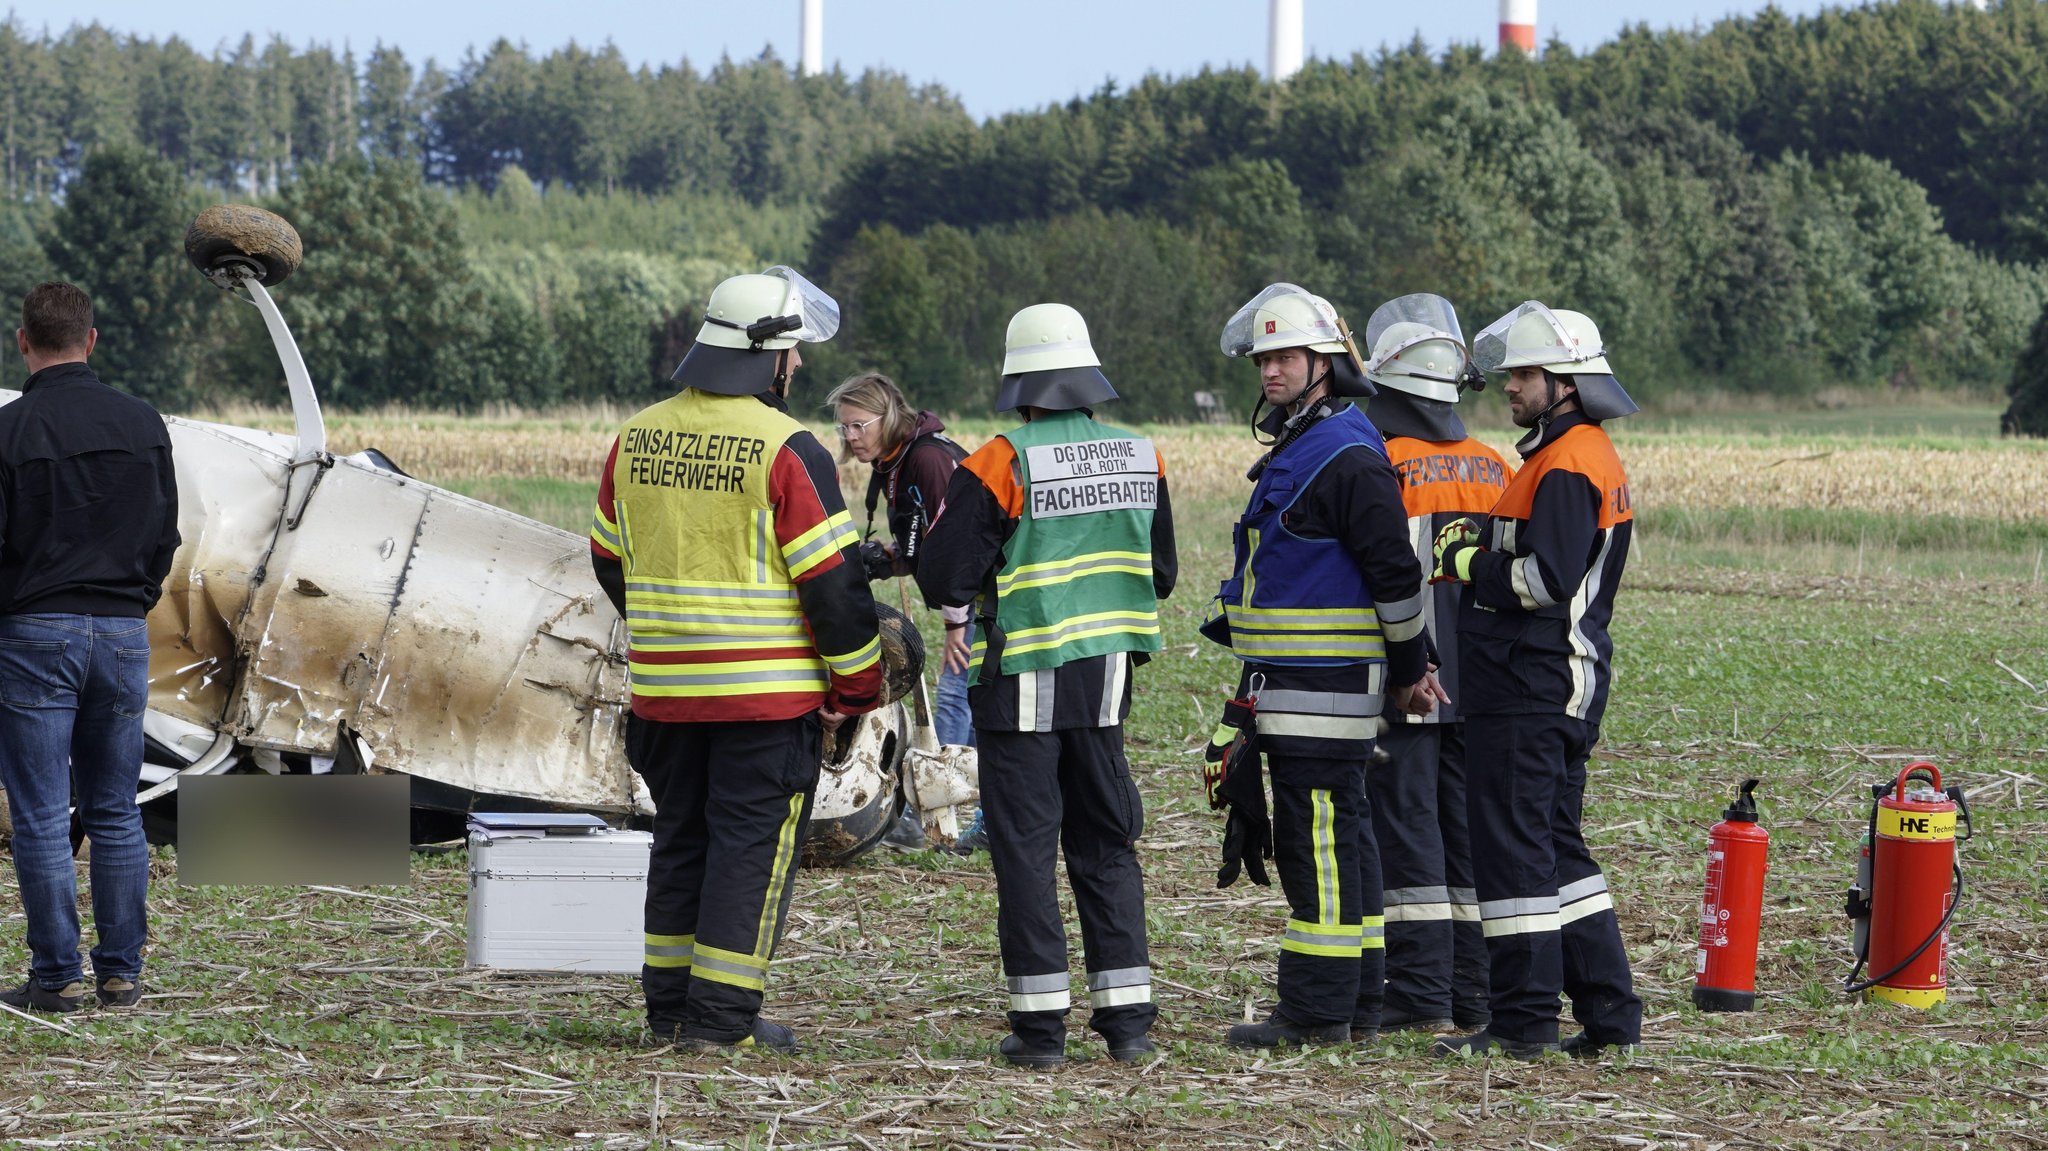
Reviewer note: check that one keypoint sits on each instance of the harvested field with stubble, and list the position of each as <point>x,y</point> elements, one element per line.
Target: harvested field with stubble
<point>1818,646</point>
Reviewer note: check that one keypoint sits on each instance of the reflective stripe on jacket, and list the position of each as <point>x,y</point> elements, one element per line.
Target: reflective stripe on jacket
<point>1295,600</point>
<point>717,524</point>
<point>1076,579</point>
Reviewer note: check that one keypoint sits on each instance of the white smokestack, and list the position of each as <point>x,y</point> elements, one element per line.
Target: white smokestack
<point>812,60</point>
<point>1518,25</point>
<point>1283,39</point>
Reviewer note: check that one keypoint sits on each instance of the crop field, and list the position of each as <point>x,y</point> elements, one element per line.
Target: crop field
<point>1808,605</point>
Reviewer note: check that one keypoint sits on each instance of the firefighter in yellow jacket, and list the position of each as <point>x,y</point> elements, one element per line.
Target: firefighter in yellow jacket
<point>721,537</point>
<point>1061,535</point>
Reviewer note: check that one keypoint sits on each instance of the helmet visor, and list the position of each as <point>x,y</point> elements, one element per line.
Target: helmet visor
<point>1420,308</point>
<point>820,312</point>
<point>1529,336</point>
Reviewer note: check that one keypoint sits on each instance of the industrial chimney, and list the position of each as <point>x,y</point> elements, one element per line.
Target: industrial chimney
<point>1518,25</point>
<point>812,59</point>
<point>1283,39</point>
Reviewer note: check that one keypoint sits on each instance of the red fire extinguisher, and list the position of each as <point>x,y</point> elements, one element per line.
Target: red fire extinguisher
<point>1731,912</point>
<point>1908,883</point>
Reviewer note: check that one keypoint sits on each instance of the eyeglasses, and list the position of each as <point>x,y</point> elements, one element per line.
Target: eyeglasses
<point>859,428</point>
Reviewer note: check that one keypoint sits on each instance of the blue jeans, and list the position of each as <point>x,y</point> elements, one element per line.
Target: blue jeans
<point>72,692</point>
<point>951,719</point>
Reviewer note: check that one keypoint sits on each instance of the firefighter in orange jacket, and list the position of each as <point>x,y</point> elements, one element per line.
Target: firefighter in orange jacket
<point>721,537</point>
<point>1436,955</point>
<point>1537,665</point>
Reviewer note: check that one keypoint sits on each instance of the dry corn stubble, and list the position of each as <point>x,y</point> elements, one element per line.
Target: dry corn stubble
<point>2008,481</point>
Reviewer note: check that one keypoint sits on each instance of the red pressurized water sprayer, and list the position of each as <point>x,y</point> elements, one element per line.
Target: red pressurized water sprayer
<point>1731,910</point>
<point>1908,883</point>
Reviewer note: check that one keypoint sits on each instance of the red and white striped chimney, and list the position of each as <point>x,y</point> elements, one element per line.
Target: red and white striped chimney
<point>1518,25</point>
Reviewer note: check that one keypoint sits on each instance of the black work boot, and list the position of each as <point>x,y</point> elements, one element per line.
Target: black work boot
<point>1279,1031</point>
<point>765,1036</point>
<point>1584,1046</point>
<point>1131,1050</point>
<point>1020,1052</point>
<point>1483,1043</point>
<point>114,991</point>
<point>1394,1019</point>
<point>33,996</point>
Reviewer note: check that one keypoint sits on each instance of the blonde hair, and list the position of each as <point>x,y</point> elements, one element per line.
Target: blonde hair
<point>877,393</point>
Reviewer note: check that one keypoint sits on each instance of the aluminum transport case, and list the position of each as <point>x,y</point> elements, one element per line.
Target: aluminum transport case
<point>553,893</point>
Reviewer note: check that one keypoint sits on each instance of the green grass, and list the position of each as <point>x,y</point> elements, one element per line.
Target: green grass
<point>311,1019</point>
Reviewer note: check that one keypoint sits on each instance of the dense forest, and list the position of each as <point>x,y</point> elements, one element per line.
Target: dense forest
<point>1771,204</point>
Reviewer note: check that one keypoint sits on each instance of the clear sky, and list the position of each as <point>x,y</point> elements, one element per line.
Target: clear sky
<point>998,56</point>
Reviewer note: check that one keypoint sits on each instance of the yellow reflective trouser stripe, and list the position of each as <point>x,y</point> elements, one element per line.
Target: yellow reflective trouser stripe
<point>859,661</point>
<point>1075,567</point>
<point>1373,933</point>
<point>1329,936</point>
<point>1332,940</point>
<point>669,950</point>
<point>730,967</point>
<point>811,548</point>
<point>778,878</point>
<point>1323,850</point>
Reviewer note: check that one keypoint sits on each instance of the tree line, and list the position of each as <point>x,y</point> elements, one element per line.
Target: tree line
<point>1772,203</point>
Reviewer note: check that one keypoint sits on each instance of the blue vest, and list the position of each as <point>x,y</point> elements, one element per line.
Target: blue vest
<point>1290,600</point>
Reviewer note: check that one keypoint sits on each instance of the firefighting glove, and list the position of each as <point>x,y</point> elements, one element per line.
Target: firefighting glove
<point>1455,546</point>
<point>1226,747</point>
<point>1247,830</point>
<point>876,561</point>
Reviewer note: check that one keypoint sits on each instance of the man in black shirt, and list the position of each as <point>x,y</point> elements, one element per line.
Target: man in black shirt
<point>88,525</point>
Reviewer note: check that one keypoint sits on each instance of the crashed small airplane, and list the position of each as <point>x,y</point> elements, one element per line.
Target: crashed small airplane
<point>331,613</point>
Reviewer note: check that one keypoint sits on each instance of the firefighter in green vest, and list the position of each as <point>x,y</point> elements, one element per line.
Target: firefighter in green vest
<point>1059,533</point>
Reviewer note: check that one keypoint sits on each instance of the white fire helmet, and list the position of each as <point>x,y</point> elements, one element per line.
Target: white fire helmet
<point>1049,362</point>
<point>1563,343</point>
<point>1283,316</point>
<point>768,312</point>
<point>749,315</point>
<point>1417,347</point>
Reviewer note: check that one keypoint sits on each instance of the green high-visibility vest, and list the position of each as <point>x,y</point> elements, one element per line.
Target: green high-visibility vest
<point>1076,579</point>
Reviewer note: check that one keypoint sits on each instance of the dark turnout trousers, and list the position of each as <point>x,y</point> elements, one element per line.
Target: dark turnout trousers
<point>1071,789</point>
<point>1468,963</point>
<point>1436,953</point>
<point>1548,919</point>
<point>731,804</point>
<point>1332,956</point>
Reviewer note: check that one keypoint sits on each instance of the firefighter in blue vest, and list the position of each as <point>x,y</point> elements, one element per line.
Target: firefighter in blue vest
<point>1060,534</point>
<point>1436,955</point>
<point>1537,665</point>
<point>1324,609</point>
<point>721,537</point>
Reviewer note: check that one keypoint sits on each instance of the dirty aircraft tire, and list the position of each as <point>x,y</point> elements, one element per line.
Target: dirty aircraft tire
<point>228,234</point>
<point>838,842</point>
<point>902,653</point>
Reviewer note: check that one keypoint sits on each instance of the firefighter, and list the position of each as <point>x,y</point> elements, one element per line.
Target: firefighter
<point>1436,956</point>
<point>721,537</point>
<point>1060,534</point>
<point>1324,608</point>
<point>1536,654</point>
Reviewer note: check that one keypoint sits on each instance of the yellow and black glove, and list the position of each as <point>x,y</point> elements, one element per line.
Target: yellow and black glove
<point>1455,546</point>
